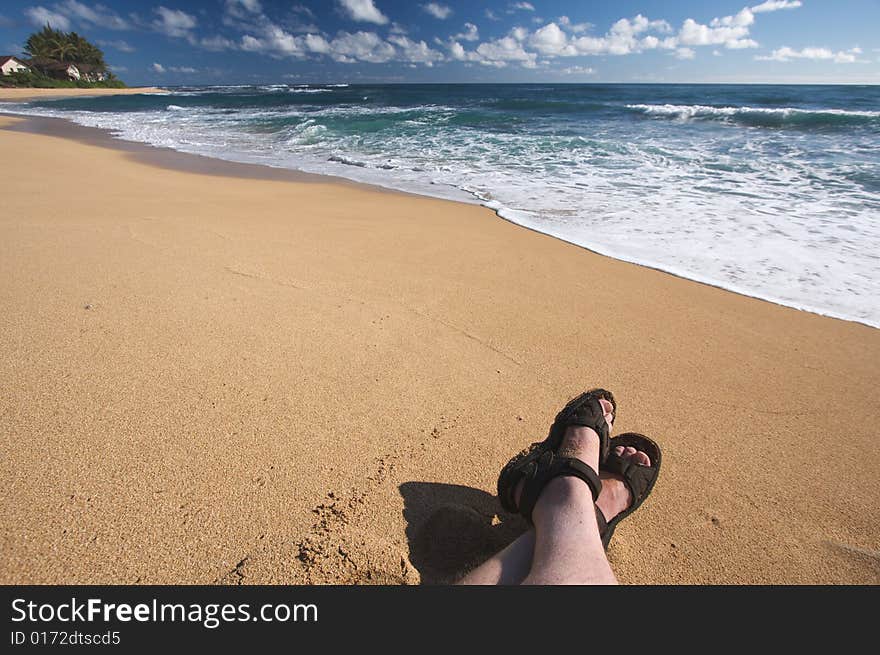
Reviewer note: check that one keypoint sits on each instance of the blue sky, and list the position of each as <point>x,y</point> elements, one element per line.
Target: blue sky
<point>258,41</point>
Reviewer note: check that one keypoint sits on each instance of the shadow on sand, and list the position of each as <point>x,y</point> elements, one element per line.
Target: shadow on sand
<point>451,528</point>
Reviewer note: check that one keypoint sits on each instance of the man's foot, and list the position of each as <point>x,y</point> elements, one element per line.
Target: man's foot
<point>615,496</point>
<point>581,443</point>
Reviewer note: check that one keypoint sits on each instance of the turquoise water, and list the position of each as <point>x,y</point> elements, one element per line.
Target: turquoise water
<point>771,191</point>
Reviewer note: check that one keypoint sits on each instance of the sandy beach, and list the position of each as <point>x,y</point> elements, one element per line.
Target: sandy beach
<point>217,378</point>
<point>21,94</point>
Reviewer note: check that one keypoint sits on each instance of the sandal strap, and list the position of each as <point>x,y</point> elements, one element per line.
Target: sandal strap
<point>585,411</point>
<point>636,477</point>
<point>550,466</point>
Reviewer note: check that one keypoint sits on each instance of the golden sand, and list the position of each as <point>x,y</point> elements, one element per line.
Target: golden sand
<point>214,379</point>
<point>20,94</point>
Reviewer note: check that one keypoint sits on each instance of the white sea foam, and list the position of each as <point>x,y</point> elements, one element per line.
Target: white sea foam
<point>692,111</point>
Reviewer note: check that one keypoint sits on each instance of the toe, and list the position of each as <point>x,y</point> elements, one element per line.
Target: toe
<point>641,458</point>
<point>608,411</point>
<point>630,451</point>
<point>618,450</point>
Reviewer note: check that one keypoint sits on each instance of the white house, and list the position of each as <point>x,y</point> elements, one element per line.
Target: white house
<point>58,69</point>
<point>72,71</point>
<point>9,64</point>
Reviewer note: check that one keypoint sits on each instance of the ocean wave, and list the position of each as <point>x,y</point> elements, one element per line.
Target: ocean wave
<point>761,116</point>
<point>307,133</point>
<point>345,110</point>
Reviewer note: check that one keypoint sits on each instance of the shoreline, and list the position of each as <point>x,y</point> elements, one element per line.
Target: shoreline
<point>270,381</point>
<point>172,159</point>
<point>20,94</point>
<point>169,158</point>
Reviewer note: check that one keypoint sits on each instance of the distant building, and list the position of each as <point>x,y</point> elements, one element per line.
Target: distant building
<point>60,70</point>
<point>10,64</point>
<point>92,73</point>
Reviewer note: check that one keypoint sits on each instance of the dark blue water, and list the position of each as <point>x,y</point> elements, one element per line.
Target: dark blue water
<point>772,191</point>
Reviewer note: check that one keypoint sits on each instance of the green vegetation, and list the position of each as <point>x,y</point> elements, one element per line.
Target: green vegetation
<point>56,45</point>
<point>50,50</point>
<point>35,79</point>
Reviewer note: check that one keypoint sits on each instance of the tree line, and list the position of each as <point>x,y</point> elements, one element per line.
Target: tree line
<point>55,45</point>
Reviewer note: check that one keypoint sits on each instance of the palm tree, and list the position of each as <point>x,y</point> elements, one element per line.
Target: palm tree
<point>86,53</point>
<point>63,50</point>
<point>39,44</point>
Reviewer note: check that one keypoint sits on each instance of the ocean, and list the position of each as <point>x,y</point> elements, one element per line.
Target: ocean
<point>769,191</point>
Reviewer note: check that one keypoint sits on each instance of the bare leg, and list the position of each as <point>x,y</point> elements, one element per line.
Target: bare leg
<point>568,549</point>
<point>508,567</point>
<point>511,565</point>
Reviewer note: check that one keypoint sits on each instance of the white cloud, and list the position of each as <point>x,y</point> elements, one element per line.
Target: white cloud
<point>122,46</point>
<point>521,6</point>
<point>242,14</point>
<point>441,12</point>
<point>397,28</point>
<point>623,39</point>
<point>416,52</point>
<point>253,6</point>
<point>457,51</point>
<point>626,36</point>
<point>173,22</point>
<point>40,16</point>
<point>363,11</point>
<point>361,46</point>
<point>264,36</point>
<point>730,31</point>
<point>491,15</point>
<point>519,33</point>
<point>578,70</point>
<point>566,23</point>
<point>816,54</point>
<point>217,43</point>
<point>775,5</point>
<point>159,68</point>
<point>96,15</point>
<point>273,41</point>
<point>501,51</point>
<point>471,33</point>
<point>252,44</point>
<point>317,44</point>
<point>551,40</point>
<point>183,69</point>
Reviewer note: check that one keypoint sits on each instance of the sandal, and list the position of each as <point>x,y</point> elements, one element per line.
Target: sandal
<point>540,463</point>
<point>639,479</point>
